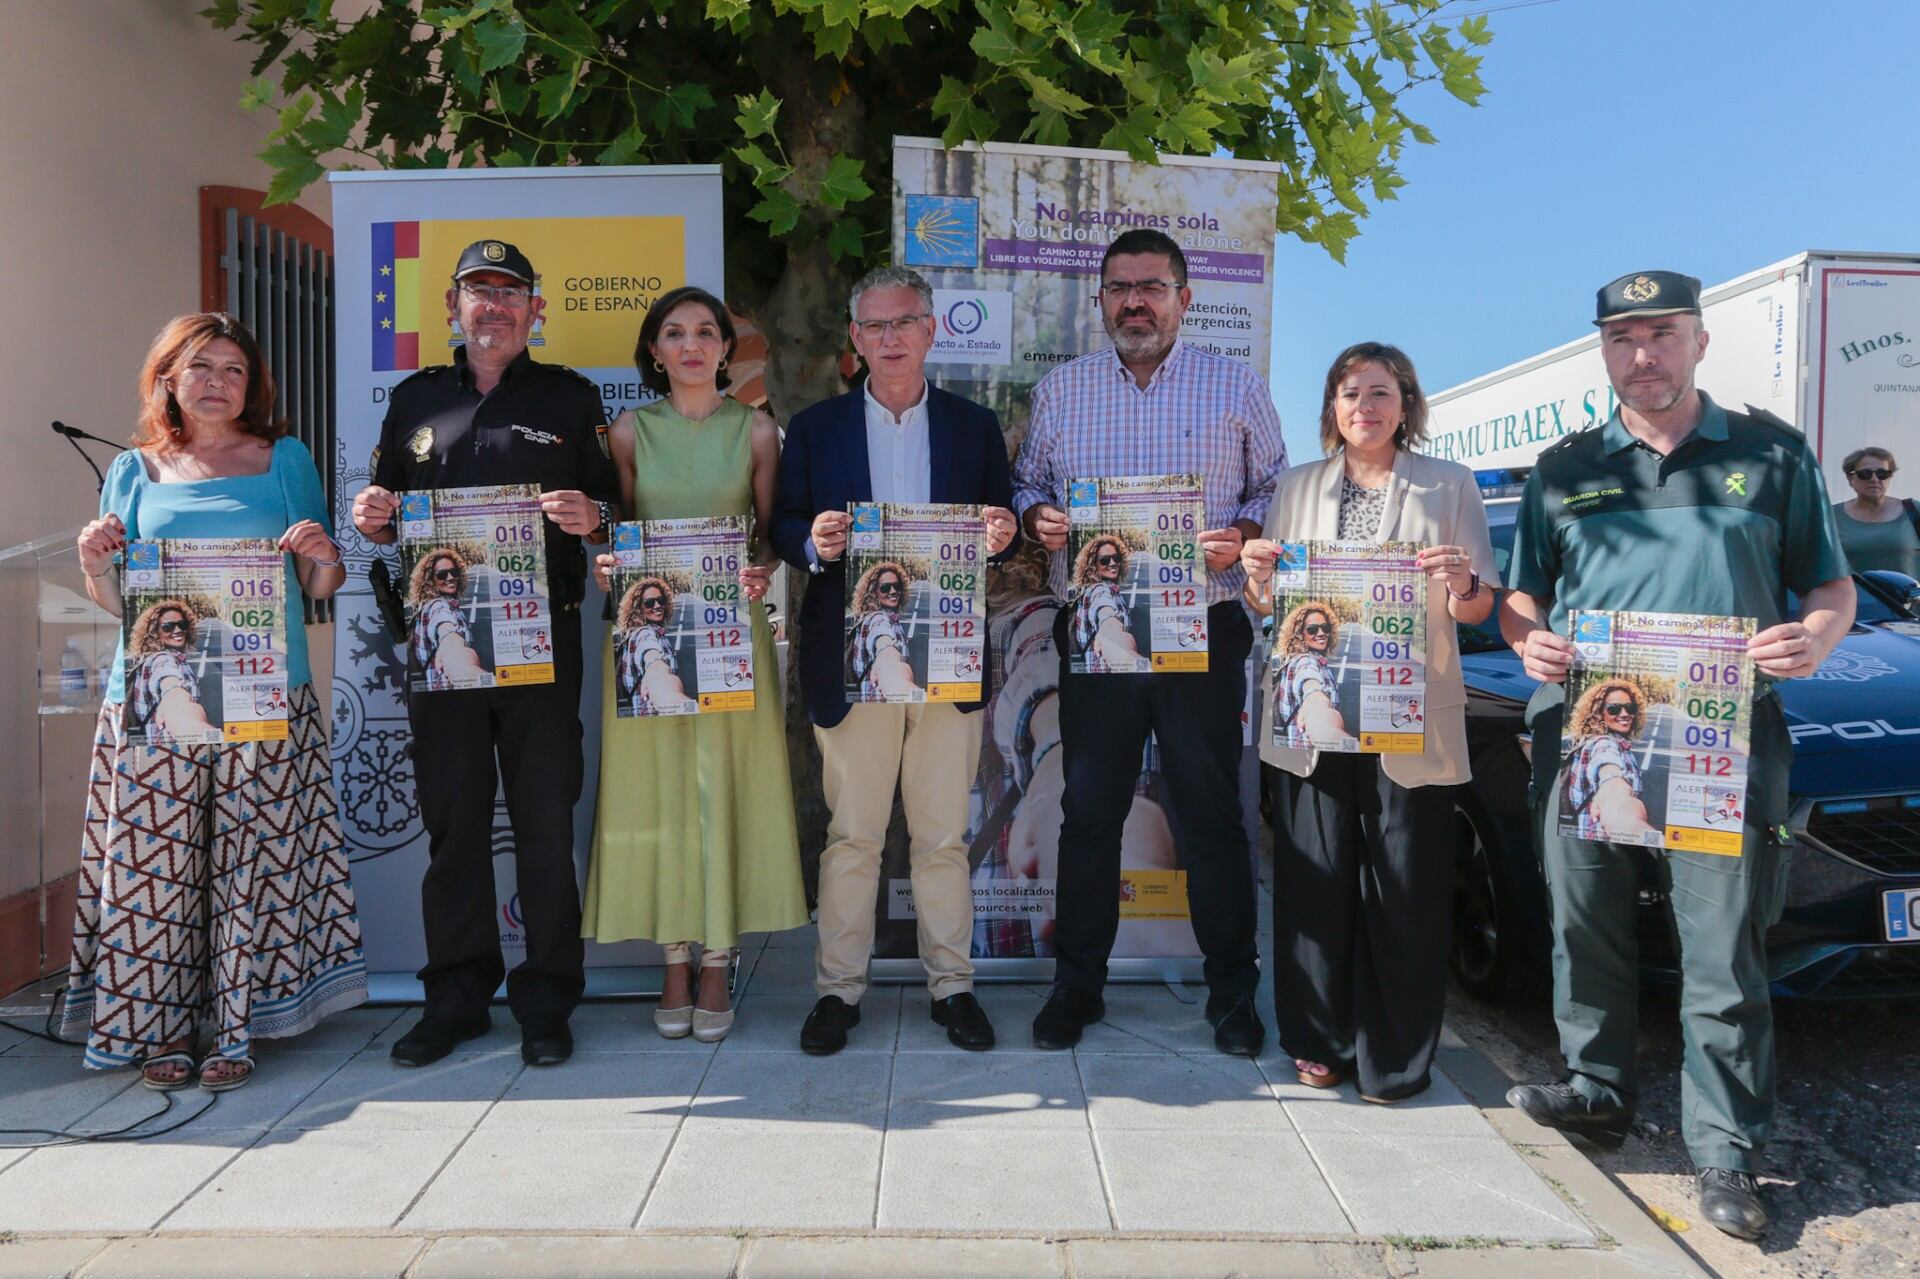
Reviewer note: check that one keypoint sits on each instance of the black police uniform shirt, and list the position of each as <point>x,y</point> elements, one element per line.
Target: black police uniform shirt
<point>540,425</point>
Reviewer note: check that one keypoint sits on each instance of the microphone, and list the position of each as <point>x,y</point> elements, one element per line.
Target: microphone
<point>73,435</point>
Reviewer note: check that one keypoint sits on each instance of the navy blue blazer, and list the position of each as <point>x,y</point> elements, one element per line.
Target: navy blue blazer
<point>823,467</point>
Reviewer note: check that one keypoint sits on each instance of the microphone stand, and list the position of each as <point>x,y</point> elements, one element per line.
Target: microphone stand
<point>73,435</point>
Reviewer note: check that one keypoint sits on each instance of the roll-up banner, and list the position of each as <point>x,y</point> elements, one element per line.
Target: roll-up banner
<point>1010,238</point>
<point>606,242</point>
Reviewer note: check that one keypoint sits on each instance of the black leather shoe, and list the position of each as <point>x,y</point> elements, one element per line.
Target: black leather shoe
<point>545,1041</point>
<point>825,1031</point>
<point>965,1020</point>
<point>1565,1107</point>
<point>435,1035</point>
<point>1068,1011</point>
<point>1731,1201</point>
<point>1236,1027</point>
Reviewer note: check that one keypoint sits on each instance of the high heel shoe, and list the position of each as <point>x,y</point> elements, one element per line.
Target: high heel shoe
<point>673,1023</point>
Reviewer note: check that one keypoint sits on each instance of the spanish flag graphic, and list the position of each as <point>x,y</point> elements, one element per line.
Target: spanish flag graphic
<point>396,296</point>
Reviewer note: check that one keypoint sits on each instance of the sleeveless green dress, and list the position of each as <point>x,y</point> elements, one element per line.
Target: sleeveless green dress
<point>693,835</point>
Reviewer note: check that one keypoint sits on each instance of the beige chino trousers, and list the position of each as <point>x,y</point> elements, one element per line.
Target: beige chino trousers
<point>933,751</point>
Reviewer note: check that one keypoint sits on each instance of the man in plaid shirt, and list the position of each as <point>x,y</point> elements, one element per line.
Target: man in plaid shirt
<point>1153,405</point>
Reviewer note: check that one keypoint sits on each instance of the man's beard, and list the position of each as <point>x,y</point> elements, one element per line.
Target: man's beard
<point>1133,344</point>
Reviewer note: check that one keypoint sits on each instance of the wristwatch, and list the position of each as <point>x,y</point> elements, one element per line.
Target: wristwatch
<point>608,518</point>
<point>1473,593</point>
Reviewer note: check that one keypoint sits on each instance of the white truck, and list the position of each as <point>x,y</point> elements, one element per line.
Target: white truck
<point>1829,341</point>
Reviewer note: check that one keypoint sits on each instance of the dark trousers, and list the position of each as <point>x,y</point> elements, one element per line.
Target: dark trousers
<point>1104,722</point>
<point>1721,908</point>
<point>535,733</point>
<point>1362,912</point>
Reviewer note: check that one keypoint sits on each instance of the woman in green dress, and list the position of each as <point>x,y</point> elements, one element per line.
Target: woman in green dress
<point>694,836</point>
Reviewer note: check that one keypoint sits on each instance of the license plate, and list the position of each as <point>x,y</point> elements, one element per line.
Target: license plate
<point>1900,913</point>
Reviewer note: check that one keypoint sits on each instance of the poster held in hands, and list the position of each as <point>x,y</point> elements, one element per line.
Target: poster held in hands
<point>1136,582</point>
<point>1349,660</point>
<point>1656,737</point>
<point>475,565</point>
<point>682,629</point>
<point>916,602</point>
<point>205,629</point>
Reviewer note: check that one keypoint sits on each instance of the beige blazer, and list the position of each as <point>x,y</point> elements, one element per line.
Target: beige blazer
<point>1433,503</point>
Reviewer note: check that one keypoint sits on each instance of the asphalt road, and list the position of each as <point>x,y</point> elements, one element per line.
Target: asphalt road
<point>1843,1168</point>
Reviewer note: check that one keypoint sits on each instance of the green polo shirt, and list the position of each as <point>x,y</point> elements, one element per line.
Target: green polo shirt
<point>1726,524</point>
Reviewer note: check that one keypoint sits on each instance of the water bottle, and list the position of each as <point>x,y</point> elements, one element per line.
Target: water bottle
<point>73,675</point>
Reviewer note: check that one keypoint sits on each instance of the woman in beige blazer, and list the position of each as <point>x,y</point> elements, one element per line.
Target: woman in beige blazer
<point>1363,866</point>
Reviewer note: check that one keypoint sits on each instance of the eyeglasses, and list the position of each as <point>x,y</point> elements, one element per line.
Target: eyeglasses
<point>889,587</point>
<point>1109,559</point>
<point>1618,708</point>
<point>1317,628</point>
<point>1149,290</point>
<point>175,627</point>
<point>511,296</point>
<point>446,575</point>
<point>899,326</point>
<point>651,602</point>
<point>1872,473</point>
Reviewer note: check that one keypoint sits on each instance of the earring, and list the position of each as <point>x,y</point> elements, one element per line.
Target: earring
<point>659,367</point>
<point>722,364</point>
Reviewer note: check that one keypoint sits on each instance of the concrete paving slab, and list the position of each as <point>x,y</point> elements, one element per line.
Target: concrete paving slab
<point>1029,1092</point>
<point>1179,1094</point>
<point>727,1175</point>
<point>1009,1008</point>
<point>626,1026</point>
<point>984,1180</point>
<point>601,1091</point>
<point>1439,1111</point>
<point>578,1257</point>
<point>503,1036</point>
<point>47,1258</point>
<point>784,971</point>
<point>1138,1258</point>
<point>256,1258</point>
<point>1447,1187</point>
<point>1217,1182</point>
<point>15,1044</point>
<point>551,1179</point>
<point>279,1084</point>
<point>1611,1211</point>
<point>805,937</point>
<point>901,1259</point>
<point>771,1022</point>
<point>346,1032</point>
<point>148,1179</point>
<point>360,1177</point>
<point>793,1090</point>
<point>371,1091</point>
<point>1149,1019</point>
<point>57,1092</point>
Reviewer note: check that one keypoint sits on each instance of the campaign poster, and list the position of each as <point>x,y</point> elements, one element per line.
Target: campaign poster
<point>916,603</point>
<point>474,561</point>
<point>1135,579</point>
<point>682,634</point>
<point>1349,663</point>
<point>1655,743</point>
<point>1010,237</point>
<point>204,622</point>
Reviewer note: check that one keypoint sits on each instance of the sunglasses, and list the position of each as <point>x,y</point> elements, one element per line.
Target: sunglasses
<point>1618,708</point>
<point>446,574</point>
<point>651,602</point>
<point>1317,628</point>
<point>175,627</point>
<point>1872,473</point>
<point>1108,560</point>
<point>888,587</point>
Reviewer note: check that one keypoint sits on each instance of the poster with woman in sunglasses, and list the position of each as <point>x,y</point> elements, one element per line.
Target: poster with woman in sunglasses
<point>1100,634</point>
<point>476,600</point>
<point>879,664</point>
<point>649,671</point>
<point>1604,794</point>
<point>1306,696</point>
<point>163,688</point>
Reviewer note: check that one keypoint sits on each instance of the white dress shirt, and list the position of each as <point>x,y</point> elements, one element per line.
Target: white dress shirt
<point>899,454</point>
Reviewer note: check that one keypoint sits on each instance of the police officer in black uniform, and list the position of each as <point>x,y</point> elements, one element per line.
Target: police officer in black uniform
<point>494,416</point>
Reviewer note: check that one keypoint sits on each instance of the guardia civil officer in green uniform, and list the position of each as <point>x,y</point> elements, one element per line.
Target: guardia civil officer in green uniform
<point>495,416</point>
<point>1675,505</point>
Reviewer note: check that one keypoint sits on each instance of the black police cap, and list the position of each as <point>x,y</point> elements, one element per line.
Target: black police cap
<point>494,255</point>
<point>1645,293</point>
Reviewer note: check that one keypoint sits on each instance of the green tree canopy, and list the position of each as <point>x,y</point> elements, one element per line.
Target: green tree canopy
<point>799,100</point>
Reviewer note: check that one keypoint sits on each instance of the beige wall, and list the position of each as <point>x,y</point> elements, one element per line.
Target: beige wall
<point>116,113</point>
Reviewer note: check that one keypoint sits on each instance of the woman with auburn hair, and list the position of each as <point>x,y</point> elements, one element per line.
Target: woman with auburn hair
<point>1362,890</point>
<point>260,937</point>
<point>1100,614</point>
<point>693,839</point>
<point>1603,774</point>
<point>876,640</point>
<point>441,641</point>
<point>166,694</point>
<point>646,666</point>
<point>1305,701</point>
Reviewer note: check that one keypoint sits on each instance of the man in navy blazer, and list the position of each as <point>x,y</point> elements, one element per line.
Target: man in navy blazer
<point>897,439</point>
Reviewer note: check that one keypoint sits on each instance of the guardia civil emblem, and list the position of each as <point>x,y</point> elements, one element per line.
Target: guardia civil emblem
<point>1737,484</point>
<point>420,444</point>
<point>1640,289</point>
<point>494,251</point>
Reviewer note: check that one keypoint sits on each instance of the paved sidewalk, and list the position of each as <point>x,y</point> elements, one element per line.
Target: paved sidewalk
<point>1144,1151</point>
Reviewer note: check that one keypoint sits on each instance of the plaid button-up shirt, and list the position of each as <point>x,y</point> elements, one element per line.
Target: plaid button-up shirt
<point>1200,413</point>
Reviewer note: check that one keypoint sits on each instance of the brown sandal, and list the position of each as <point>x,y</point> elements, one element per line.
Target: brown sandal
<point>167,1082</point>
<point>228,1081</point>
<point>1327,1078</point>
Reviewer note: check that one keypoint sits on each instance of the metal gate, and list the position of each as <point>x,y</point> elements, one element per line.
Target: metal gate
<point>272,269</point>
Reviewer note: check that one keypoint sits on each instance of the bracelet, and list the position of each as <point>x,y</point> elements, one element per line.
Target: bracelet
<point>332,563</point>
<point>103,572</point>
<point>1474,593</point>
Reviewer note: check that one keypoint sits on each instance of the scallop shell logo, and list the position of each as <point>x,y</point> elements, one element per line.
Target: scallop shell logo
<point>1641,289</point>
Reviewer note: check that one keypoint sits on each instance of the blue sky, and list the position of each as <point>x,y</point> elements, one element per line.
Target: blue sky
<point>1708,136</point>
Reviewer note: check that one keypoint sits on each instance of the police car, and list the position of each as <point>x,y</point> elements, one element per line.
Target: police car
<point>1851,928</point>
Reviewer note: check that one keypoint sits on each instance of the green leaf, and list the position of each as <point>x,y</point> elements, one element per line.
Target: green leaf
<point>1192,127</point>
<point>625,148</point>
<point>779,210</point>
<point>840,13</point>
<point>1052,98</point>
<point>680,104</point>
<point>256,93</point>
<point>1048,128</point>
<point>506,158</point>
<point>289,182</point>
<point>500,41</point>
<point>554,92</point>
<point>998,49</point>
<point>295,113</point>
<point>1132,133</point>
<point>365,44</point>
<point>842,183</point>
<point>222,14</point>
<point>757,114</point>
<point>846,240</point>
<point>560,23</point>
